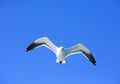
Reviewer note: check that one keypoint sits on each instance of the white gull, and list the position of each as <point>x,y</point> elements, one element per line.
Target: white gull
<point>62,53</point>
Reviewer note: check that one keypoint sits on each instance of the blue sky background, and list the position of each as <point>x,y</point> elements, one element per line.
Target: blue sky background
<point>95,23</point>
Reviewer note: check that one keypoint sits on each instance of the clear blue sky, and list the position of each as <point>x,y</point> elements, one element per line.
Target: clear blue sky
<point>95,23</point>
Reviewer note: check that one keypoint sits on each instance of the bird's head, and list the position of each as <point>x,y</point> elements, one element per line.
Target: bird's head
<point>61,61</point>
<point>61,48</point>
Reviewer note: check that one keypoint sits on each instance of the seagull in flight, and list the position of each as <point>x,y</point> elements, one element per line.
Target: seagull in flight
<point>62,53</point>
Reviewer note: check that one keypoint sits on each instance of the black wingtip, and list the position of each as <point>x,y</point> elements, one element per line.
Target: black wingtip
<point>30,47</point>
<point>92,59</point>
<point>94,64</point>
<point>26,50</point>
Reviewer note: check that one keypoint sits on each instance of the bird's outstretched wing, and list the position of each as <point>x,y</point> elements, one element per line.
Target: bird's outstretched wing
<point>81,48</point>
<point>44,41</point>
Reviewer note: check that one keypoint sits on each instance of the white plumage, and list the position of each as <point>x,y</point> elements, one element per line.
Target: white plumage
<point>60,52</point>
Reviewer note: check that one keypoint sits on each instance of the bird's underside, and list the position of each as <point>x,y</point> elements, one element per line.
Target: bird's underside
<point>44,41</point>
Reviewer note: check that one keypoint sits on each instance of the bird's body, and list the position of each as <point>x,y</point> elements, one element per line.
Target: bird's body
<point>62,53</point>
